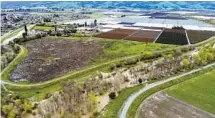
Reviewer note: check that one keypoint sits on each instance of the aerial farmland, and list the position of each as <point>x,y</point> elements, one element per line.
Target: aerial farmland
<point>77,59</point>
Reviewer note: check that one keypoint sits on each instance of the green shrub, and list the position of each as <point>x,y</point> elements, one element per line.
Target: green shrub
<point>131,61</point>
<point>112,95</point>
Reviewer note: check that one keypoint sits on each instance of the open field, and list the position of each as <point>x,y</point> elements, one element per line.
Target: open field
<point>116,48</point>
<point>48,58</point>
<point>168,36</point>
<point>173,36</point>
<point>144,36</point>
<point>143,96</point>
<point>198,36</point>
<point>96,15</point>
<point>128,34</point>
<point>113,51</point>
<point>43,28</point>
<point>116,34</point>
<point>161,105</point>
<point>57,57</point>
<point>199,91</point>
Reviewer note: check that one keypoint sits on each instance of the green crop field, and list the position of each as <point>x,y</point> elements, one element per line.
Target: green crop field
<point>199,91</point>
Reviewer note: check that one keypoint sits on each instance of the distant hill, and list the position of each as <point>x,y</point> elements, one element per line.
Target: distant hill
<point>158,5</point>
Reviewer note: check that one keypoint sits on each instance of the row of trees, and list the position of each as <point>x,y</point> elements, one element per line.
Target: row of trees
<point>172,65</point>
<point>29,37</point>
<point>204,56</point>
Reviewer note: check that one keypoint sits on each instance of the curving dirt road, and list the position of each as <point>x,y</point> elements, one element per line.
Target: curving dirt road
<point>128,102</point>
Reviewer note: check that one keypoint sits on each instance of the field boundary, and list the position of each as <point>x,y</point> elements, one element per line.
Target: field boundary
<point>22,53</point>
<point>133,33</point>
<point>71,74</point>
<point>162,92</point>
<point>13,33</point>
<point>158,36</point>
<point>77,73</point>
<point>205,41</point>
<point>132,110</point>
<point>188,40</point>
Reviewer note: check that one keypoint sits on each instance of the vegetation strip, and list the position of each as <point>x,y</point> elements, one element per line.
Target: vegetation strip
<point>158,36</point>
<point>9,68</point>
<point>188,40</point>
<point>138,100</point>
<point>75,74</point>
<point>87,70</point>
<point>13,33</point>
<point>198,91</point>
<point>111,110</point>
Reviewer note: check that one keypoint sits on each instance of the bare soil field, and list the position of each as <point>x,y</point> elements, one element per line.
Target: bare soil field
<point>49,58</point>
<point>144,36</point>
<point>155,28</point>
<point>199,36</point>
<point>161,105</point>
<point>116,34</point>
<point>175,30</point>
<point>141,35</point>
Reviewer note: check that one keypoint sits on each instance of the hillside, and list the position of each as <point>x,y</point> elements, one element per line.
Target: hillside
<point>115,5</point>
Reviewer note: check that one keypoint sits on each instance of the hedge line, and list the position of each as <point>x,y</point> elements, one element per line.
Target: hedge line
<point>136,103</point>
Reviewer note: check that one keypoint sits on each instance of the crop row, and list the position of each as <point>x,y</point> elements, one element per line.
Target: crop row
<point>176,37</point>
<point>146,36</point>
<point>127,34</point>
<point>168,36</point>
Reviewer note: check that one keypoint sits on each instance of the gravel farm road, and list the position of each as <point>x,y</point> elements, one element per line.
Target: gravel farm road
<point>128,102</point>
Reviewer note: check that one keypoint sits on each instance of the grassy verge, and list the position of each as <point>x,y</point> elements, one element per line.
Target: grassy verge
<point>40,89</point>
<point>111,110</point>
<point>9,68</point>
<point>134,106</point>
<point>13,33</point>
<point>199,91</point>
<point>115,52</point>
<point>43,28</point>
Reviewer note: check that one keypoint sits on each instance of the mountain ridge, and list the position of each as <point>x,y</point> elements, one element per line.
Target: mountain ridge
<point>157,5</point>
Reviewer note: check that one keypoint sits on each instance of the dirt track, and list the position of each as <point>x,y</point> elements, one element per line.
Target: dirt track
<point>49,58</point>
<point>161,105</point>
